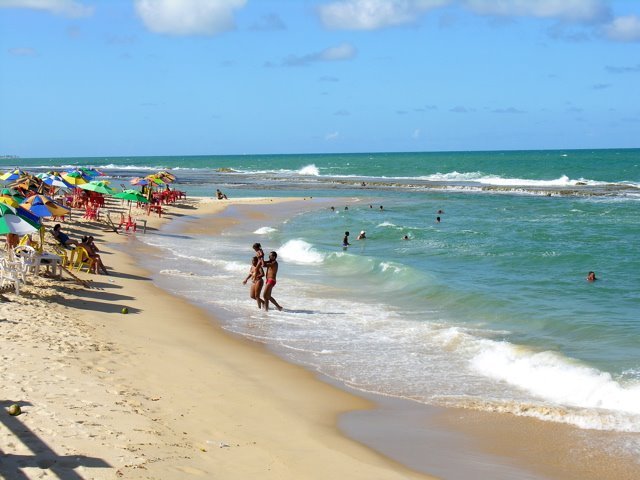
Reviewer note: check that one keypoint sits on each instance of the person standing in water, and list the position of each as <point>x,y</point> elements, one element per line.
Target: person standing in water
<point>345,240</point>
<point>256,274</point>
<point>272,273</point>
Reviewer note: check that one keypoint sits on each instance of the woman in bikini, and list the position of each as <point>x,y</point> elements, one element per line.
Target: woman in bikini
<point>256,274</point>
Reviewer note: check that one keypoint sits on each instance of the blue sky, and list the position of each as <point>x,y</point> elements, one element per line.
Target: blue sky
<point>191,77</point>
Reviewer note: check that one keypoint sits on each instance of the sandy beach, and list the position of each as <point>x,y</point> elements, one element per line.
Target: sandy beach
<point>159,392</point>
<point>164,393</point>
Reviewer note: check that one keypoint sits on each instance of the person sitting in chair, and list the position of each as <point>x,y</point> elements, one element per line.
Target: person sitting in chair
<point>62,237</point>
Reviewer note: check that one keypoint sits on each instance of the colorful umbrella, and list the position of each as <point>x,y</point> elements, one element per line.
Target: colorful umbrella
<point>43,206</point>
<point>9,200</point>
<point>74,178</point>
<point>56,181</point>
<point>13,221</point>
<point>13,175</point>
<point>90,171</point>
<point>98,186</point>
<point>139,181</point>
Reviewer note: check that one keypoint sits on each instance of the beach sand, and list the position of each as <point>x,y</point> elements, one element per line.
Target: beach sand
<point>160,392</point>
<point>164,393</point>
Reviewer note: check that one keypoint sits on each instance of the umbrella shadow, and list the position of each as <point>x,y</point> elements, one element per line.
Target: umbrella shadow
<point>43,456</point>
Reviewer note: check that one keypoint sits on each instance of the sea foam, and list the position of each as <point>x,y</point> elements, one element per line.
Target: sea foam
<point>301,252</point>
<point>556,378</point>
<point>309,170</point>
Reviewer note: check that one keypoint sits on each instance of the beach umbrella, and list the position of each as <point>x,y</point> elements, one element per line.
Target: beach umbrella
<point>11,194</point>
<point>153,179</point>
<point>139,181</point>
<point>43,206</point>
<point>9,200</point>
<point>90,171</point>
<point>132,196</point>
<point>166,176</point>
<point>98,187</point>
<point>74,178</point>
<point>54,180</point>
<point>13,175</point>
<point>12,220</point>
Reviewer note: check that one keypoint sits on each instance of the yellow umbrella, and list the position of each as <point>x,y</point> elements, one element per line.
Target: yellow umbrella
<point>74,179</point>
<point>9,200</point>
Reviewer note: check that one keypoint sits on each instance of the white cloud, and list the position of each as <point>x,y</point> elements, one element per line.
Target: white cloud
<point>188,17</point>
<point>344,51</point>
<point>70,8</point>
<point>374,14</point>
<point>570,10</point>
<point>623,29</point>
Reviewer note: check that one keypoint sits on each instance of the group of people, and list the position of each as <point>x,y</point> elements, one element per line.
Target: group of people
<point>259,278</point>
<point>87,243</point>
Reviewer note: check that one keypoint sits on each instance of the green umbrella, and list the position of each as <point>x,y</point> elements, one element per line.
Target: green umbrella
<point>98,187</point>
<point>131,195</point>
<point>12,222</point>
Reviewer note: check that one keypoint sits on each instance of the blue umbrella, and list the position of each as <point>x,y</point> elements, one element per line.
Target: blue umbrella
<point>43,206</point>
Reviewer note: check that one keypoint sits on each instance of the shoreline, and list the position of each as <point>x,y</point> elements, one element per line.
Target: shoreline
<point>161,392</point>
<point>199,406</point>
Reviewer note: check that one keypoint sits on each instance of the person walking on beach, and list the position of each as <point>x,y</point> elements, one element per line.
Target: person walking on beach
<point>256,274</point>
<point>272,272</point>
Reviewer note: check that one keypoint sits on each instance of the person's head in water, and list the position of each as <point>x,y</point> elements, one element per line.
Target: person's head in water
<point>406,237</point>
<point>591,276</point>
<point>438,219</point>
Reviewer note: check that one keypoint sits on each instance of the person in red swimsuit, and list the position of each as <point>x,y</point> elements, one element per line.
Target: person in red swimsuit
<point>272,272</point>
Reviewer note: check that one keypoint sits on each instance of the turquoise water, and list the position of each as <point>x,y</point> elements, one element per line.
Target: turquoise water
<point>488,308</point>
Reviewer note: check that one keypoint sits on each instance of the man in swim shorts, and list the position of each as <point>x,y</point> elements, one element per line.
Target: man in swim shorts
<point>272,273</point>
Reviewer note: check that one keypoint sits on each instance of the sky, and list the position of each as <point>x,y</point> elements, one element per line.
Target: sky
<point>102,78</point>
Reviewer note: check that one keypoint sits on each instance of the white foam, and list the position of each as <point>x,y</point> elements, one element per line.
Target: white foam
<point>265,230</point>
<point>309,170</point>
<point>301,252</point>
<point>554,377</point>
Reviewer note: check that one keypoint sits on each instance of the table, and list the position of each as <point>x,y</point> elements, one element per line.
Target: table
<point>51,260</point>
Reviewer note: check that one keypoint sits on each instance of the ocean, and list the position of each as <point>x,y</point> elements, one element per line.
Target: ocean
<point>487,309</point>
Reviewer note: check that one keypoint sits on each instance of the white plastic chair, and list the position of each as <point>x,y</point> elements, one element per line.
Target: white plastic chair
<point>29,258</point>
<point>11,272</point>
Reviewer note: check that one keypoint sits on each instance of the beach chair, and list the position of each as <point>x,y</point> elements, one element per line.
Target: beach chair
<point>29,260</point>
<point>62,253</point>
<point>80,259</point>
<point>10,271</point>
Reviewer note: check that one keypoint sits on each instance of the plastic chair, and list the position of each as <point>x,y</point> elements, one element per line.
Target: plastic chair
<point>29,260</point>
<point>10,272</point>
<point>80,259</point>
<point>62,253</point>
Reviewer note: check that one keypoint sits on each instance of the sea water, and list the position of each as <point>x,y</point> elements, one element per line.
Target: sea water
<point>488,308</point>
